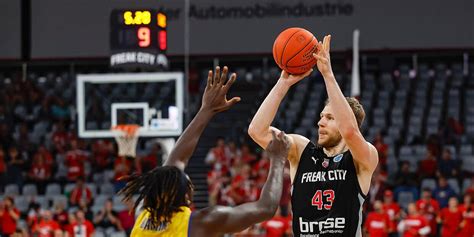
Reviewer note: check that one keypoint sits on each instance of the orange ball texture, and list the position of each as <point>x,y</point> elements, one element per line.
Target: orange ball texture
<point>293,50</point>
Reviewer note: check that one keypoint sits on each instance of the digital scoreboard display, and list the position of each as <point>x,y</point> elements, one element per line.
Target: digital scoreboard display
<point>138,38</point>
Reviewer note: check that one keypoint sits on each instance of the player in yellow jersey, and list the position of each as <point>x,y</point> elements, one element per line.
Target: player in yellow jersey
<point>165,193</point>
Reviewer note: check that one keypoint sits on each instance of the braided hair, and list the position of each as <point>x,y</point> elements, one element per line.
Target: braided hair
<point>163,191</point>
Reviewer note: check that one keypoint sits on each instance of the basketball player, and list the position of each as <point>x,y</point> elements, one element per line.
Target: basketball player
<point>332,178</point>
<point>166,192</point>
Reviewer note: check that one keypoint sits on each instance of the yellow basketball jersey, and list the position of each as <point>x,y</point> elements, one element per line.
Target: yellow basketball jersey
<point>178,227</point>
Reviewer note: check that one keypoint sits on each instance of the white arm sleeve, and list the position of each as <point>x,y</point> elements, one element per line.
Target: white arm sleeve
<point>401,227</point>
<point>424,231</point>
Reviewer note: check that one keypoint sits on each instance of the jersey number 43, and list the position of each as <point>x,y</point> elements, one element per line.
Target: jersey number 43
<point>323,199</point>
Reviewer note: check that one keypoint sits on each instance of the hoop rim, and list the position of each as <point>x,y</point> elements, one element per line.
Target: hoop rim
<point>129,129</point>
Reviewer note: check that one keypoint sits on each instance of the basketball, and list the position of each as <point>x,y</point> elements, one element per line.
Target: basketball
<point>293,50</point>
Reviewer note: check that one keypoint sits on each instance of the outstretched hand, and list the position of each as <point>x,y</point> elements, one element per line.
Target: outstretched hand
<point>279,146</point>
<point>215,94</point>
<point>323,57</point>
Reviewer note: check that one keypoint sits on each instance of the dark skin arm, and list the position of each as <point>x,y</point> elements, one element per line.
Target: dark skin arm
<point>213,101</point>
<point>219,219</point>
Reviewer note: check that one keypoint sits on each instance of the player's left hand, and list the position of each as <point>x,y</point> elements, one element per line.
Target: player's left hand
<point>322,55</point>
<point>215,94</point>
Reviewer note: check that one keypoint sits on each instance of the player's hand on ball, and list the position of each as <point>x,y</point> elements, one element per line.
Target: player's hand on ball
<point>291,79</point>
<point>279,146</point>
<point>215,94</point>
<point>322,55</point>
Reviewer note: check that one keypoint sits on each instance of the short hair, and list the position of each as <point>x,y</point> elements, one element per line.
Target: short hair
<point>356,107</point>
<point>427,189</point>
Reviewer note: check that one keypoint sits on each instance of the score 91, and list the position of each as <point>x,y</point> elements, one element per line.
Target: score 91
<point>144,37</point>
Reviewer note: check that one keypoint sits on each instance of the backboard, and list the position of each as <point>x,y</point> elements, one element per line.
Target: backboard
<point>154,101</point>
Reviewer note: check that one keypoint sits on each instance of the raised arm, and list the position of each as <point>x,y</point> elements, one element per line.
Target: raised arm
<point>260,130</point>
<point>365,155</point>
<point>222,219</point>
<point>213,101</point>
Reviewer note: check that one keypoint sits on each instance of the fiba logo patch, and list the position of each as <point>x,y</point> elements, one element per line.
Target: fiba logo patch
<point>338,158</point>
<point>325,163</point>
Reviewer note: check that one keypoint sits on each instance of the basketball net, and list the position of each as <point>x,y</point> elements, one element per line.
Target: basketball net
<point>126,136</point>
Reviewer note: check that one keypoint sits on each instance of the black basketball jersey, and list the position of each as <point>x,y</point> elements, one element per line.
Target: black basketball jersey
<point>326,197</point>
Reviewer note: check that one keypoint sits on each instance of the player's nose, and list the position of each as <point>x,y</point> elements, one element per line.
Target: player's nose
<point>321,123</point>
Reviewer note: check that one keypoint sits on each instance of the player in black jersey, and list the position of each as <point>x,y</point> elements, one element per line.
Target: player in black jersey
<point>332,178</point>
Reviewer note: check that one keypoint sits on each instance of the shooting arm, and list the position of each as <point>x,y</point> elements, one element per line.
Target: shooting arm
<point>365,155</point>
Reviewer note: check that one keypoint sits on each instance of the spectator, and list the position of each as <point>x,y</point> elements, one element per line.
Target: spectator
<point>22,138</point>
<point>377,187</point>
<point>75,159</point>
<point>47,227</point>
<point>429,208</point>
<point>377,223</point>
<point>232,152</point>
<point>81,227</point>
<point>247,156</point>
<point>277,226</point>
<point>44,112</point>
<point>122,167</point>
<point>470,190</point>
<point>3,170</point>
<point>127,217</point>
<point>152,160</point>
<point>9,216</point>
<point>48,158</point>
<point>217,155</point>
<point>101,153</point>
<point>405,180</point>
<point>450,218</point>
<point>60,110</point>
<point>414,224</point>
<point>60,215</point>
<point>238,165</point>
<point>5,116</point>
<point>40,173</point>
<point>34,212</point>
<point>447,166</point>
<point>81,191</point>
<point>15,166</point>
<point>428,166</point>
<point>107,219</point>
<point>215,179</point>
<point>236,191</point>
<point>443,192</point>
<point>382,149</point>
<point>5,136</point>
<point>84,207</point>
<point>61,138</point>
<point>69,228</point>
<point>433,145</point>
<point>393,211</point>
<point>467,210</point>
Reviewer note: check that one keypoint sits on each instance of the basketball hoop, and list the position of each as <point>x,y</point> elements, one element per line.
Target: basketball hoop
<point>126,136</point>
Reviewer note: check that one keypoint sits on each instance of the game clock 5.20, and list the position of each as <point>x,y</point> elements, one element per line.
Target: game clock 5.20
<point>138,29</point>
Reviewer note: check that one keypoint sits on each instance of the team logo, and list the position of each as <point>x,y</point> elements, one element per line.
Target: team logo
<point>325,163</point>
<point>314,159</point>
<point>338,158</point>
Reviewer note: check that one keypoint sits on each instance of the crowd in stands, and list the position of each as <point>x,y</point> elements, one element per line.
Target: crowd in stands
<point>51,182</point>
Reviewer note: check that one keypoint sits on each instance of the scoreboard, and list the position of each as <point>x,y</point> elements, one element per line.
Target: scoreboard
<point>138,38</point>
